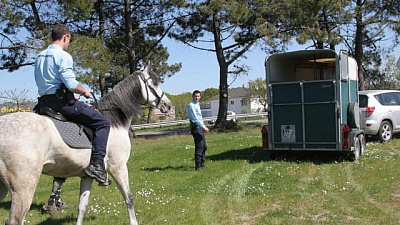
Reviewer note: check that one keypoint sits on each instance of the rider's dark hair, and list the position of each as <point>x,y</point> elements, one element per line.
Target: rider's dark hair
<point>58,31</point>
<point>196,92</point>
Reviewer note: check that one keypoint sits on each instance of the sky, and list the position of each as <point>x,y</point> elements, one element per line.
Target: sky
<point>199,70</point>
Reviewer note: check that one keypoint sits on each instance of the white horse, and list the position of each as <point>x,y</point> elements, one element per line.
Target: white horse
<point>31,145</point>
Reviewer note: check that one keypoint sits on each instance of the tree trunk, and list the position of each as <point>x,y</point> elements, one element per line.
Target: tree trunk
<point>223,75</point>
<point>223,97</point>
<point>358,48</point>
<point>129,37</point>
<point>100,10</point>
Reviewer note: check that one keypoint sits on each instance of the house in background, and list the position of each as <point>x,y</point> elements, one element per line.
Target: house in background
<point>206,109</point>
<point>238,102</point>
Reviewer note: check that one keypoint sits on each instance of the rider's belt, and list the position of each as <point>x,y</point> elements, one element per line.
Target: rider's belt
<point>48,98</point>
<point>65,96</point>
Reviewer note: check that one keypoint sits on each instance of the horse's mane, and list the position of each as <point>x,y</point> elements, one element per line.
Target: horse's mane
<point>123,102</point>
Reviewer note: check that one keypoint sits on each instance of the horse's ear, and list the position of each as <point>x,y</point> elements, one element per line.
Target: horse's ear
<point>146,68</point>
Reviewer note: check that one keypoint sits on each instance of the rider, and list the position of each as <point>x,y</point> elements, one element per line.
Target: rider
<point>56,84</point>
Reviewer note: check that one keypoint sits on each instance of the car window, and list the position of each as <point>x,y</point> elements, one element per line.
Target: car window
<point>390,99</point>
<point>363,101</point>
<point>397,95</point>
<point>380,99</point>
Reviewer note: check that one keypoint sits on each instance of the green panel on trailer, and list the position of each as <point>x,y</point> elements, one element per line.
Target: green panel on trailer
<point>354,92</point>
<point>287,115</point>
<point>319,91</point>
<point>344,101</point>
<point>286,93</point>
<point>320,122</point>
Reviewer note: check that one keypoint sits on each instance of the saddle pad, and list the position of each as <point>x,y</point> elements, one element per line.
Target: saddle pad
<point>72,134</point>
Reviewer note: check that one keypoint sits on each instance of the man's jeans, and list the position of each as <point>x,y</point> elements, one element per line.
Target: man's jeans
<point>200,144</point>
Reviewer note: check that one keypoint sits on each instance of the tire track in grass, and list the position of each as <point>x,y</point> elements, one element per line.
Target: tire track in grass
<point>231,188</point>
<point>368,198</point>
<point>331,191</point>
<point>345,206</point>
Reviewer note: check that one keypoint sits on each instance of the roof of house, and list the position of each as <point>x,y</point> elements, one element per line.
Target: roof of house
<point>238,92</point>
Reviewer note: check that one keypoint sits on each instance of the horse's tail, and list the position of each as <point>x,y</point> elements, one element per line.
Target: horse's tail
<point>3,190</point>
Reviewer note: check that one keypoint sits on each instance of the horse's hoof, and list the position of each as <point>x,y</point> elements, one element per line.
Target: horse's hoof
<point>107,183</point>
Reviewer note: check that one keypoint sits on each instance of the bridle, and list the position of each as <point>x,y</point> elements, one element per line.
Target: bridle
<point>152,90</point>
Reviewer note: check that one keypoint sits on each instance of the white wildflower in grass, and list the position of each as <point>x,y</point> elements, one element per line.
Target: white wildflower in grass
<point>324,191</point>
<point>188,147</point>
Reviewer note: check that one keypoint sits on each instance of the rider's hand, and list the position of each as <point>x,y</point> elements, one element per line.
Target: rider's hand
<point>206,130</point>
<point>86,93</point>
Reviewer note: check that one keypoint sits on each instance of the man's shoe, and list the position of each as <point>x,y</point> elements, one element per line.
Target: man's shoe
<point>198,166</point>
<point>53,209</point>
<point>96,171</point>
<point>62,205</point>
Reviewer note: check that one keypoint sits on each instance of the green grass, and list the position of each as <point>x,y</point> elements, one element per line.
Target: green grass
<point>238,186</point>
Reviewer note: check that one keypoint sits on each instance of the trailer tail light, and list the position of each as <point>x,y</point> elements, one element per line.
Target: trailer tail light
<point>369,111</point>
<point>346,133</point>
<point>264,136</point>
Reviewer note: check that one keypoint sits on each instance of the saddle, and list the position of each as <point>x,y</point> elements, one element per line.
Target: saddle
<point>74,135</point>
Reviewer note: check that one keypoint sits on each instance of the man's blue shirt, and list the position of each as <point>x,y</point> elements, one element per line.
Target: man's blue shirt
<point>194,114</point>
<point>54,66</point>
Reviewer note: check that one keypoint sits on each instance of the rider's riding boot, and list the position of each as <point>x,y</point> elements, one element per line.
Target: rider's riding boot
<point>96,170</point>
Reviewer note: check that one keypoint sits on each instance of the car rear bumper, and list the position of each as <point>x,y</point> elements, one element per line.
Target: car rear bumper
<point>371,127</point>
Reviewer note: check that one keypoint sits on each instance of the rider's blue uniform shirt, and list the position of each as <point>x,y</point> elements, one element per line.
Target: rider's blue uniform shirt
<point>194,114</point>
<point>54,66</point>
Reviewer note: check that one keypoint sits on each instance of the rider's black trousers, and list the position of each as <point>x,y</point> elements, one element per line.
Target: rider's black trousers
<point>84,114</point>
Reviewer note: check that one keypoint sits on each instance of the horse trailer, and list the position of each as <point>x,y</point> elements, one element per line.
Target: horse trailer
<point>313,103</point>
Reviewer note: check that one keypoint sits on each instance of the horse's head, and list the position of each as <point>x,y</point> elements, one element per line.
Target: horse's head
<point>151,92</point>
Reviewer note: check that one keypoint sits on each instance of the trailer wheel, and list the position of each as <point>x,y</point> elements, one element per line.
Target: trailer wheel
<point>353,115</point>
<point>357,149</point>
<point>362,139</point>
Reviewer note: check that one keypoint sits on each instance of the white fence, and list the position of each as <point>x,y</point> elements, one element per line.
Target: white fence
<point>181,122</point>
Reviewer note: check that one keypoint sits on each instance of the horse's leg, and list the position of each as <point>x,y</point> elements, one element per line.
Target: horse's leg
<point>3,190</point>
<point>120,175</point>
<point>54,203</point>
<point>22,190</point>
<point>85,187</point>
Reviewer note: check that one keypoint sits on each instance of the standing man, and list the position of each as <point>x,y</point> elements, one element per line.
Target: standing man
<point>56,84</point>
<point>197,128</point>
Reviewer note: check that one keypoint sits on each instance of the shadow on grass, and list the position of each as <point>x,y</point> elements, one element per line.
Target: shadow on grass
<point>5,205</point>
<point>58,221</point>
<point>257,155</point>
<point>49,221</point>
<point>177,168</point>
<point>316,157</point>
<point>252,155</point>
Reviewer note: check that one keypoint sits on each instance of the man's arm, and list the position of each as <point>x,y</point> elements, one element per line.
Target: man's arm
<point>82,91</point>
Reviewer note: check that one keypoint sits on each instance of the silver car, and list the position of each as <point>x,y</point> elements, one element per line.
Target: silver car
<point>380,113</point>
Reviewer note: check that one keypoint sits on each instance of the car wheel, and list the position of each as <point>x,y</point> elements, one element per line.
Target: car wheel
<point>385,132</point>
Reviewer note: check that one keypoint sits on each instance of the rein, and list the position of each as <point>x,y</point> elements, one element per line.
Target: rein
<point>97,103</point>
